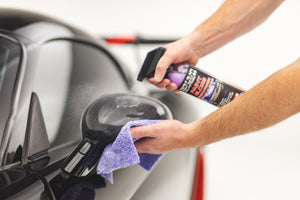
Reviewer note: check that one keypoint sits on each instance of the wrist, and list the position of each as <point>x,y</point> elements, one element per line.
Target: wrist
<point>201,132</point>
<point>193,134</point>
<point>197,44</point>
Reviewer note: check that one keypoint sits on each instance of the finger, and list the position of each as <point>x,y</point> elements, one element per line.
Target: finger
<point>162,66</point>
<point>171,87</point>
<point>152,81</point>
<point>177,91</point>
<point>142,146</point>
<point>146,146</point>
<point>139,132</point>
<point>164,83</point>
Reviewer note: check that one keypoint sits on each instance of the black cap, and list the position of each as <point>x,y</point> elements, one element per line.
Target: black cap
<point>149,65</point>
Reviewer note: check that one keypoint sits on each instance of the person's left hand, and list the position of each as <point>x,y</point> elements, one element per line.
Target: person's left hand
<point>161,137</point>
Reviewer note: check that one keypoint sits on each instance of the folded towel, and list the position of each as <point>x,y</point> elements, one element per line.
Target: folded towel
<point>122,153</point>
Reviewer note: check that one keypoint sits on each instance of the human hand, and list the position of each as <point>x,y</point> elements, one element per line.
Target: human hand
<point>162,137</point>
<point>182,50</point>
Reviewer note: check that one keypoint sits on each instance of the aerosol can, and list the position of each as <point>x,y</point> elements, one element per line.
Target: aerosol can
<point>192,80</point>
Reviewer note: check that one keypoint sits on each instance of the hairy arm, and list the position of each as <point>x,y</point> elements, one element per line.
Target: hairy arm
<point>233,19</point>
<point>271,101</point>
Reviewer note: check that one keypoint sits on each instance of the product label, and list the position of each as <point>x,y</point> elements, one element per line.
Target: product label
<point>208,88</point>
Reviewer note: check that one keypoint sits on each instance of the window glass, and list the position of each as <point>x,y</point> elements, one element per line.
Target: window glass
<point>70,75</point>
<point>9,63</point>
<point>52,82</point>
<point>3,61</point>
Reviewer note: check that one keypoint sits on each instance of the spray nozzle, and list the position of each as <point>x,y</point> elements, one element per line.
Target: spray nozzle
<point>150,62</point>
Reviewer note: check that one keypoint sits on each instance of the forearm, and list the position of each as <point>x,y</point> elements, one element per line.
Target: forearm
<point>271,101</point>
<point>231,20</point>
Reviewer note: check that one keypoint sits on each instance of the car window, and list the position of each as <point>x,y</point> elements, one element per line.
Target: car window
<point>3,60</point>
<point>69,76</point>
<point>52,82</point>
<point>9,63</point>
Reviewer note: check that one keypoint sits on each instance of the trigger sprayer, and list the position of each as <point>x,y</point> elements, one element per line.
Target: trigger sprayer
<point>191,80</point>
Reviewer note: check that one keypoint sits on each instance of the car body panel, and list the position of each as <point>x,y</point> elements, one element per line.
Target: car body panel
<point>94,72</point>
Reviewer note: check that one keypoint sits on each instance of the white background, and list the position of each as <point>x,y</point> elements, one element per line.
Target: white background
<point>261,165</point>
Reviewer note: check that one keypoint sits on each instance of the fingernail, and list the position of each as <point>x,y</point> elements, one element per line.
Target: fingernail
<point>158,78</point>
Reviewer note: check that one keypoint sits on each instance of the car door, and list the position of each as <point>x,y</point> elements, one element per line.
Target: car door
<point>16,181</point>
<point>70,75</point>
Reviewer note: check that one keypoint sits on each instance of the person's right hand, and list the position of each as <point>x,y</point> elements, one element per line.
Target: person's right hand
<point>164,136</point>
<point>182,50</point>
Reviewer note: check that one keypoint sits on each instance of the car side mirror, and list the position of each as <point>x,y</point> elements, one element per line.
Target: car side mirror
<point>101,124</point>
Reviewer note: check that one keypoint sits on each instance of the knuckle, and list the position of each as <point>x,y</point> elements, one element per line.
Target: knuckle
<point>155,129</point>
<point>164,62</point>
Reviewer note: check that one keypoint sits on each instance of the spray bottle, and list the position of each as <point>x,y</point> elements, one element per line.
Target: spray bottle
<point>192,80</point>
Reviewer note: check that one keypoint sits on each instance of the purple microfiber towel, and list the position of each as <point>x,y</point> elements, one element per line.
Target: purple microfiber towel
<point>122,153</point>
